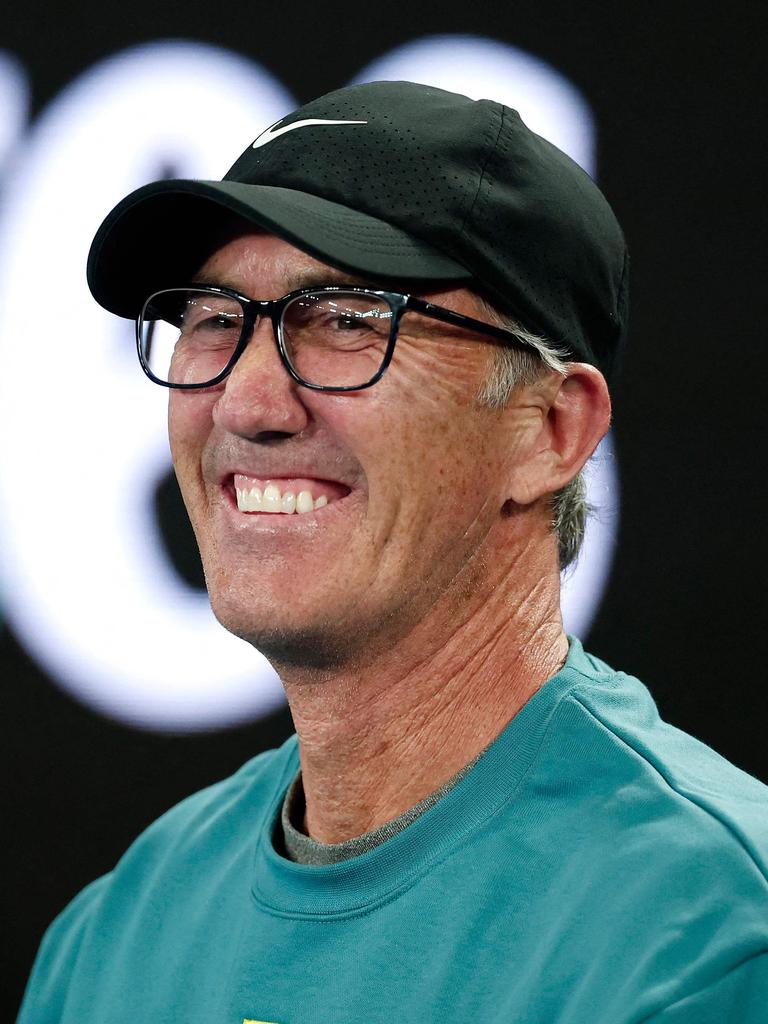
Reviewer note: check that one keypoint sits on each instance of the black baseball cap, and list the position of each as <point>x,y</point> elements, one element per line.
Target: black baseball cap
<point>397,181</point>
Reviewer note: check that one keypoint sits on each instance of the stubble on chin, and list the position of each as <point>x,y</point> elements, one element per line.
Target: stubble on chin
<point>318,646</point>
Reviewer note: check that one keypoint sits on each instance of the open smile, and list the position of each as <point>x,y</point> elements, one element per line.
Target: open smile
<point>283,495</point>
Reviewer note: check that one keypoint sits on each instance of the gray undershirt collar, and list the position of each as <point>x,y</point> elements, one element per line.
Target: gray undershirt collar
<point>303,850</point>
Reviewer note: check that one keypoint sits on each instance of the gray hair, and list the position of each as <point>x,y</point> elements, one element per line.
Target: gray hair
<point>513,367</point>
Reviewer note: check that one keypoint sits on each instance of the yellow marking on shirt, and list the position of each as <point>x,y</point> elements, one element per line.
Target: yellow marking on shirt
<point>247,1020</point>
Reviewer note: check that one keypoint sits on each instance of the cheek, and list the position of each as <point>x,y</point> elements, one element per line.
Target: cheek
<point>434,448</point>
<point>189,426</point>
<point>436,388</point>
<point>189,419</point>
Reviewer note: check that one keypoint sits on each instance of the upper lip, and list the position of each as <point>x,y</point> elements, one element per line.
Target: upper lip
<point>282,471</point>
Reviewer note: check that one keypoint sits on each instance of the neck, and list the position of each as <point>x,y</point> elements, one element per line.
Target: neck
<point>376,740</point>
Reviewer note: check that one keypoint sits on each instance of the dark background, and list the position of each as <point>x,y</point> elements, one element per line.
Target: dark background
<point>677,91</point>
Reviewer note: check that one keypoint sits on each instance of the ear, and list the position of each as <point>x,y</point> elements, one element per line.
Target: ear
<point>574,413</point>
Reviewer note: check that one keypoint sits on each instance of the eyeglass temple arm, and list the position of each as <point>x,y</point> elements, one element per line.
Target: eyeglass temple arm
<point>448,316</point>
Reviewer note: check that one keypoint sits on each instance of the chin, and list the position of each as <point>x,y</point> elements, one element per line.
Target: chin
<point>325,630</point>
<point>285,639</point>
<point>287,647</point>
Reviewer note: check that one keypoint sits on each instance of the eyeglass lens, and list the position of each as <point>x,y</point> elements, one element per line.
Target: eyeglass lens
<point>331,339</point>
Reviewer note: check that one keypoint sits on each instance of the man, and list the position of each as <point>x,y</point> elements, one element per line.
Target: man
<point>386,336</point>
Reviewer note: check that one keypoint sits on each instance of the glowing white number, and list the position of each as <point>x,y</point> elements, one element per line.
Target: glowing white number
<point>90,590</point>
<point>88,585</point>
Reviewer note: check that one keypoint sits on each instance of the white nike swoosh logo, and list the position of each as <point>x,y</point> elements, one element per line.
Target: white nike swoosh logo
<point>273,133</point>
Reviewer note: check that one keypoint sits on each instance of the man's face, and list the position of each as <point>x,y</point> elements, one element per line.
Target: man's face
<point>413,470</point>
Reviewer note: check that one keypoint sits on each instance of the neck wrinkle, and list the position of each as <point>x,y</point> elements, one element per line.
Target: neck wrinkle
<point>376,741</point>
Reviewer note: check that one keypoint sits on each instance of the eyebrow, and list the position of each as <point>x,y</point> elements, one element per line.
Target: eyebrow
<point>309,277</point>
<point>317,277</point>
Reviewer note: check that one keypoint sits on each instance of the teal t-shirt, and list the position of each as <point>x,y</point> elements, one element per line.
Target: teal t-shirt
<point>595,866</point>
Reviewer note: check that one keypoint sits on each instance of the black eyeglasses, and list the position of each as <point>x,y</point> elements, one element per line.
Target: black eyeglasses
<point>329,338</point>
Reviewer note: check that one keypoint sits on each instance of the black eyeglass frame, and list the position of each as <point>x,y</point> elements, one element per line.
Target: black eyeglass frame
<point>399,302</point>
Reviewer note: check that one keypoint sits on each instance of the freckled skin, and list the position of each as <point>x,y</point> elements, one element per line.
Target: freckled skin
<point>425,459</point>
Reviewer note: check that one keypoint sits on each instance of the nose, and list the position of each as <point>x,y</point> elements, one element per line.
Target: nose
<point>259,394</point>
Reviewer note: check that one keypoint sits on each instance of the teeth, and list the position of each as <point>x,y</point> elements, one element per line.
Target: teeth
<point>304,502</point>
<point>271,500</point>
<point>253,500</point>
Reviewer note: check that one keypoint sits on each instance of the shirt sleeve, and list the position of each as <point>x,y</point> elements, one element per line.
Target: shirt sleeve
<point>739,997</point>
<point>46,989</point>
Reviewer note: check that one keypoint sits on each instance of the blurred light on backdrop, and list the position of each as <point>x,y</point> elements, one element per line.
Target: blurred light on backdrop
<point>88,583</point>
<point>14,103</point>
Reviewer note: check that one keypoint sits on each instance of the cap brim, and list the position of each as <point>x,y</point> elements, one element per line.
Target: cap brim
<point>159,235</point>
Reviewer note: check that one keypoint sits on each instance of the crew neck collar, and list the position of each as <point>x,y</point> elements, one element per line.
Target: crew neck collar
<point>352,886</point>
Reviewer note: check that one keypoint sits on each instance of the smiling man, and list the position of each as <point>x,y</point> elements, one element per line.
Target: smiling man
<point>387,336</point>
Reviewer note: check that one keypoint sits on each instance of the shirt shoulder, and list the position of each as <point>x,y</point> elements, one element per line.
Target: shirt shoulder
<point>704,788</point>
<point>174,850</point>
<point>663,834</point>
<point>658,849</point>
<point>247,791</point>
<point>216,825</point>
<point>739,995</point>
<point>47,985</point>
